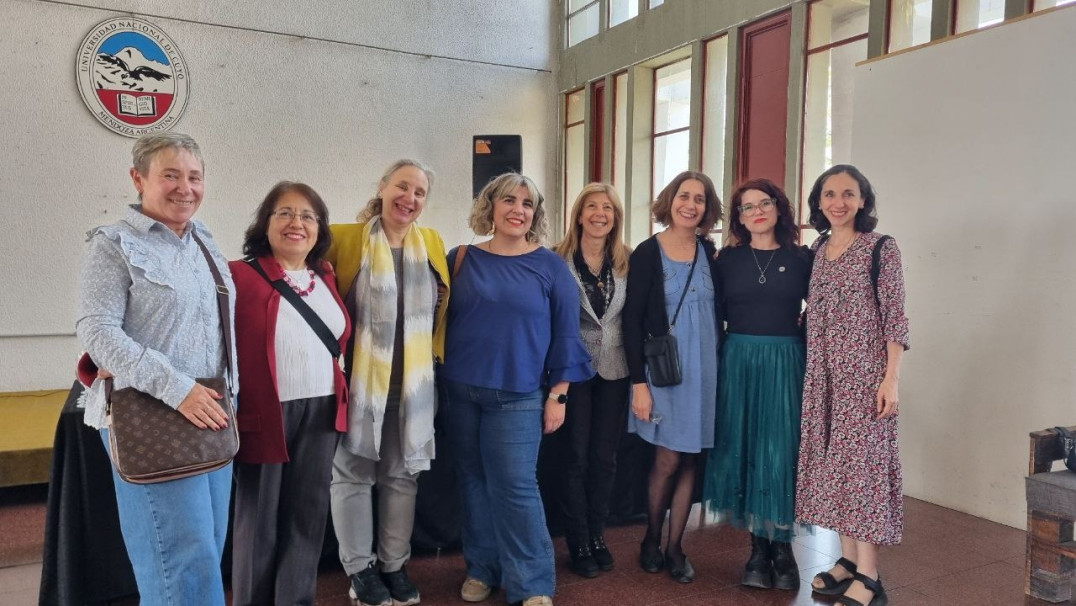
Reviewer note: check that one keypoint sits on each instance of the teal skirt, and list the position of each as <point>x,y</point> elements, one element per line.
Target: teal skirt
<point>751,473</point>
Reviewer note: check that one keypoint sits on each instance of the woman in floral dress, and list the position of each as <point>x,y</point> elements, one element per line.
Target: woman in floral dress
<point>849,476</point>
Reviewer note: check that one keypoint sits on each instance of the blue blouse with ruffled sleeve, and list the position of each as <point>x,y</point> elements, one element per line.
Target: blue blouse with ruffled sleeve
<point>513,322</point>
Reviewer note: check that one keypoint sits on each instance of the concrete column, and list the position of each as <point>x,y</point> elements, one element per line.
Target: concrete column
<point>878,29</point>
<point>797,77</point>
<point>694,140</point>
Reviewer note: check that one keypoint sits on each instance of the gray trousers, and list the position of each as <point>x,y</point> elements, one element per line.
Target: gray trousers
<point>352,503</point>
<point>281,510</point>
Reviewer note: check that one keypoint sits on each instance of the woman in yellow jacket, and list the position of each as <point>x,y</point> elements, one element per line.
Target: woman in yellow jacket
<point>393,277</point>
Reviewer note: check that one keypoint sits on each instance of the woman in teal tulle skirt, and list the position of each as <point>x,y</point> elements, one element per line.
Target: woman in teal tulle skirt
<point>751,474</point>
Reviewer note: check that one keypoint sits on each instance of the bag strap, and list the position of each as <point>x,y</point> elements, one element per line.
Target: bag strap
<point>223,308</point>
<point>312,318</point>
<point>461,252</point>
<point>876,267</point>
<point>683,294</point>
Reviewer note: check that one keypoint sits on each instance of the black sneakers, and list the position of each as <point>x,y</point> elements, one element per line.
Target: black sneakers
<point>402,590</point>
<point>368,589</point>
<point>601,552</point>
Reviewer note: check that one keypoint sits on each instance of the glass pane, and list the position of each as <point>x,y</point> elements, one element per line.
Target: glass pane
<point>836,20</point>
<point>1041,4</point>
<point>574,177</point>
<point>654,3</point>
<point>620,131</point>
<point>670,159</point>
<point>909,23</point>
<point>713,115</point>
<point>827,123</point>
<point>575,106</point>
<point>583,25</point>
<point>973,14</point>
<point>574,5</point>
<point>672,96</point>
<point>622,10</point>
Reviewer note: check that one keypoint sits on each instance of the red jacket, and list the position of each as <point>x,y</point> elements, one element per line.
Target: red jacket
<point>259,415</point>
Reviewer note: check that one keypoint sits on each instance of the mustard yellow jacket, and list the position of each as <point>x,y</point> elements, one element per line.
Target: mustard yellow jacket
<point>345,252</point>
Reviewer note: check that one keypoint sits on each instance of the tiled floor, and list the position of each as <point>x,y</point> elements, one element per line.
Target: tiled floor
<point>946,558</point>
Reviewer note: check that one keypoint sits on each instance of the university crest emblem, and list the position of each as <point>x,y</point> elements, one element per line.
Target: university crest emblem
<point>132,76</point>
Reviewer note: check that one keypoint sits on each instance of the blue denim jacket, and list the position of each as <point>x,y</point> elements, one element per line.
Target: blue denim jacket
<point>147,309</point>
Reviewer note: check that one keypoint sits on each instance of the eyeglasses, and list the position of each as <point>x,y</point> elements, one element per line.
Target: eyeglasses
<point>764,206</point>
<point>287,215</point>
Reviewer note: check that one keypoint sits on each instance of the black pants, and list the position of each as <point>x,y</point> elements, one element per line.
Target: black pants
<point>281,510</point>
<point>596,418</point>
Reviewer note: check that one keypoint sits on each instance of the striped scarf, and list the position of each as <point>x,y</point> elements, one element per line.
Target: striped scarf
<point>375,332</point>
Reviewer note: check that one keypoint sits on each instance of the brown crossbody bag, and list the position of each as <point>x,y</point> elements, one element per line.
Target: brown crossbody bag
<point>151,441</point>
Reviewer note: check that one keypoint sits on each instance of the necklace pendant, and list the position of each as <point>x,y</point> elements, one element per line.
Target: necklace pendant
<point>601,284</point>
<point>762,279</point>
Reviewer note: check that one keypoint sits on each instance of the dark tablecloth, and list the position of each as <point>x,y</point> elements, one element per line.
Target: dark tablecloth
<point>85,560</point>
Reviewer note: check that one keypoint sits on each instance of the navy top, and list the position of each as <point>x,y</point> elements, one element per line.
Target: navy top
<point>770,308</point>
<point>513,322</point>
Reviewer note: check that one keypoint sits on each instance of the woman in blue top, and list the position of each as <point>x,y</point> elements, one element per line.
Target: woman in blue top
<point>513,327</point>
<point>676,264</point>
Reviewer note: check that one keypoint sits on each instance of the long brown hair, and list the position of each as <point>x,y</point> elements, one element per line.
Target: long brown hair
<point>615,249</point>
<point>785,232</point>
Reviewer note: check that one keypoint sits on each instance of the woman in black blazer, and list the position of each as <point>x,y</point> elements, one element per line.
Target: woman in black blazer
<point>669,271</point>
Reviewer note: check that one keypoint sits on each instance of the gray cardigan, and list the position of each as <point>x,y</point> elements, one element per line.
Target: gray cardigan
<point>603,338</point>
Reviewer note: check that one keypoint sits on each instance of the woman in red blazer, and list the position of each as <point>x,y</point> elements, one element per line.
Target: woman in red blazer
<point>293,397</point>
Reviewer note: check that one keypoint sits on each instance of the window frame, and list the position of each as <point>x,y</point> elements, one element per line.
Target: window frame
<point>568,21</point>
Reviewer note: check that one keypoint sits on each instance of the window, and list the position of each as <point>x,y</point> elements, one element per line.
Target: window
<point>672,114</point>
<point>620,130</point>
<point>715,85</point>
<point>973,14</point>
<point>909,23</point>
<point>622,10</point>
<point>582,20</point>
<point>836,41</point>
<point>654,3</point>
<point>1044,4</point>
<point>574,147</point>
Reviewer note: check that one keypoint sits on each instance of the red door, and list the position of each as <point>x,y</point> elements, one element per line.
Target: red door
<point>763,116</point>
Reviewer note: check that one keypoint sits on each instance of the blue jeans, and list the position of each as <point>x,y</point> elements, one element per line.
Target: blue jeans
<point>495,437</point>
<point>174,533</point>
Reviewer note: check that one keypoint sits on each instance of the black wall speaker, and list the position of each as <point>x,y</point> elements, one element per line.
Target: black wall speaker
<point>494,155</point>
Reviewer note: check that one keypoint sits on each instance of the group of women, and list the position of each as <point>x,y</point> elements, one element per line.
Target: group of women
<point>349,336</point>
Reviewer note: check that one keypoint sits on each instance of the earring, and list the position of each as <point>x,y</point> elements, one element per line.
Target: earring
<point>492,229</point>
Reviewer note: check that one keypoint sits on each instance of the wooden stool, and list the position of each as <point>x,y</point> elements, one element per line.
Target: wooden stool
<point>1051,510</point>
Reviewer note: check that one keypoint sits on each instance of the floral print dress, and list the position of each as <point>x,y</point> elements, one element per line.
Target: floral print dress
<point>849,477</point>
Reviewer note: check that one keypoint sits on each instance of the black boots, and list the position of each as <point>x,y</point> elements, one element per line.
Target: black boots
<point>786,574</point>
<point>771,565</point>
<point>759,571</point>
<point>581,560</point>
<point>601,553</point>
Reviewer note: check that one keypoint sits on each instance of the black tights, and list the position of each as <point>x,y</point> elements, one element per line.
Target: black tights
<point>672,481</point>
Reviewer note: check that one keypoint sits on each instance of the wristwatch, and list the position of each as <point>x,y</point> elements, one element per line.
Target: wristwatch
<point>559,398</point>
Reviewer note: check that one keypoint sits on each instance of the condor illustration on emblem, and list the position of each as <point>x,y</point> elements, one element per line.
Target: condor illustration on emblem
<point>132,76</point>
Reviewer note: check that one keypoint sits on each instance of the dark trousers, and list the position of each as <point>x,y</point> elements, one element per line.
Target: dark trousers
<point>596,418</point>
<point>281,510</point>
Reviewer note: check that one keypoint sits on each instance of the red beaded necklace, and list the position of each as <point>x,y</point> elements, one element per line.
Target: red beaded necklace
<point>302,292</point>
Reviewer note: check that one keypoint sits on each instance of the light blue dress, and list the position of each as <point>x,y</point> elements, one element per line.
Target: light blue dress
<point>684,413</point>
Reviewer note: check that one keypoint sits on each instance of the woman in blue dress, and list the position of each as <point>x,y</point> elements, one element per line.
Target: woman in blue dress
<point>673,266</point>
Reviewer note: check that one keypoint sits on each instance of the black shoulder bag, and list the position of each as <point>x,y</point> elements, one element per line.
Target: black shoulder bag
<point>662,357</point>
<point>312,318</point>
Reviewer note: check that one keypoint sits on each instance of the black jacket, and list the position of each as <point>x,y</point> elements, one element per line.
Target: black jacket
<point>644,310</point>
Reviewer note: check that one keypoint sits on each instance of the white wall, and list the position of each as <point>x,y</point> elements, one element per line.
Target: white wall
<point>329,93</point>
<point>971,145</point>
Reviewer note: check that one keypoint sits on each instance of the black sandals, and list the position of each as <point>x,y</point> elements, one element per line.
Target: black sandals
<point>831,585</point>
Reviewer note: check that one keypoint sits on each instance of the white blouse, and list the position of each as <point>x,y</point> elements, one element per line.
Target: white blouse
<point>304,367</point>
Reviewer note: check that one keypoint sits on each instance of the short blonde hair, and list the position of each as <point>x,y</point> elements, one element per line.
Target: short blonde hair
<point>481,219</point>
<point>373,205</point>
<point>148,146</point>
<point>615,249</point>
